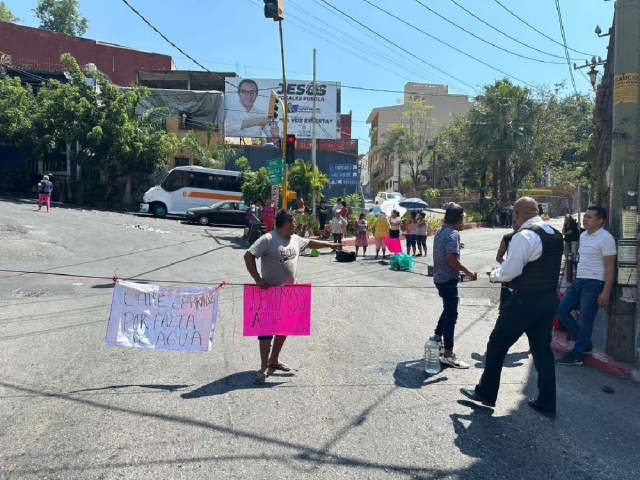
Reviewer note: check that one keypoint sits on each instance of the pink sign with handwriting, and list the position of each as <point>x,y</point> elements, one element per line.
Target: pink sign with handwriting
<point>284,310</point>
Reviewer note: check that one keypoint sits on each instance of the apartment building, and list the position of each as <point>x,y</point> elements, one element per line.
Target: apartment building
<point>385,173</point>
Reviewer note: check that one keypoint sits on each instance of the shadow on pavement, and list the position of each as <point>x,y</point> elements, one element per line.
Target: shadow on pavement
<point>512,360</point>
<point>410,374</point>
<point>168,388</point>
<point>230,383</point>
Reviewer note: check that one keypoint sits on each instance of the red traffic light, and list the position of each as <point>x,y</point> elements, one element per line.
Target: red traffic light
<point>291,139</point>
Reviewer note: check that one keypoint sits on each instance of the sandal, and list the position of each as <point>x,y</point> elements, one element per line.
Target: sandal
<point>260,378</point>
<point>280,366</point>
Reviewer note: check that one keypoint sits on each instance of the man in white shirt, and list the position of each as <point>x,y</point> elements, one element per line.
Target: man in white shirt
<point>591,288</point>
<point>245,119</point>
<point>531,270</point>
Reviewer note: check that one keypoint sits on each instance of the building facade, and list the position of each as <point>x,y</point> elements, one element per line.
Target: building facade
<point>385,173</point>
<point>30,48</point>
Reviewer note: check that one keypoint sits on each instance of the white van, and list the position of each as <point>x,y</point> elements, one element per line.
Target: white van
<point>191,186</point>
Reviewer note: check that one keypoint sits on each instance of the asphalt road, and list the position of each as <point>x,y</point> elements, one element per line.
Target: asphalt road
<point>357,404</point>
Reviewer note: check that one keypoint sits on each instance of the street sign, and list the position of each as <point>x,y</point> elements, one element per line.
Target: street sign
<point>275,170</point>
<point>275,192</point>
<point>344,174</point>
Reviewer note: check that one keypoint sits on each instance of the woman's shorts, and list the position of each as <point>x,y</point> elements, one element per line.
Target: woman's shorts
<point>411,239</point>
<point>421,239</point>
<point>394,233</point>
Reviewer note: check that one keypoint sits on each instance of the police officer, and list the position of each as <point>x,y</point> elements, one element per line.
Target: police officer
<point>532,269</point>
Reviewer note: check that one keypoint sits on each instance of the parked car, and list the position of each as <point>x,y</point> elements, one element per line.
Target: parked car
<point>382,197</point>
<point>221,213</point>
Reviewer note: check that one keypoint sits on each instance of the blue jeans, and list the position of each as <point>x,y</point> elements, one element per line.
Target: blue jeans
<point>448,291</point>
<point>583,295</point>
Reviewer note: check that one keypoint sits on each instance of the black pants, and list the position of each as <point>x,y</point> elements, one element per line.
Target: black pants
<point>448,291</point>
<point>523,313</point>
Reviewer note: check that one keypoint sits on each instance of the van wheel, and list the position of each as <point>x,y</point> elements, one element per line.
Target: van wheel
<point>203,220</point>
<point>159,210</point>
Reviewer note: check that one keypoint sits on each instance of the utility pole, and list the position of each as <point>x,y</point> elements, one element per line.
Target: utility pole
<point>313,134</point>
<point>623,185</point>
<point>285,120</point>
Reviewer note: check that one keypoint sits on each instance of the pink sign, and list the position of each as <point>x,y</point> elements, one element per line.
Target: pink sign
<point>393,244</point>
<point>284,310</point>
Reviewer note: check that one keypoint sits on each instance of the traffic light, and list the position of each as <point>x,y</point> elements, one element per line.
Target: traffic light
<point>274,9</point>
<point>290,149</point>
<point>273,105</point>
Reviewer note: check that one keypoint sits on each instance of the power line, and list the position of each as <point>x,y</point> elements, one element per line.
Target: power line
<point>482,39</point>
<point>396,45</point>
<point>164,37</point>
<point>394,53</point>
<point>541,33</point>
<point>566,49</point>
<point>447,44</point>
<point>505,34</point>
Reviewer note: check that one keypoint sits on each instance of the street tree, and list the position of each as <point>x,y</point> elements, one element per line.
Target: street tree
<point>255,184</point>
<point>16,111</point>
<point>206,153</point>
<point>307,181</point>
<point>6,15</point>
<point>61,16</point>
<point>410,140</point>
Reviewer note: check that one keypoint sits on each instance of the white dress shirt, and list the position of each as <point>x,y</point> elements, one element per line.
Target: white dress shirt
<point>238,114</point>
<point>525,247</point>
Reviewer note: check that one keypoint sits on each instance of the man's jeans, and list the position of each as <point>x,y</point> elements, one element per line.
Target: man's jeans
<point>448,291</point>
<point>583,295</point>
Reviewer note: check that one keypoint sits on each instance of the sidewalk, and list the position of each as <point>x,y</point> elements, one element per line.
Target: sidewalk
<point>598,360</point>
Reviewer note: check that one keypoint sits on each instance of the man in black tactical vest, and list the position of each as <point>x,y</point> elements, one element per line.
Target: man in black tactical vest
<point>532,270</point>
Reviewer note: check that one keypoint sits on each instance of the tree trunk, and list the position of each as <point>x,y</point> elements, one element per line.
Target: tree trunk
<point>483,187</point>
<point>504,178</point>
<point>127,197</point>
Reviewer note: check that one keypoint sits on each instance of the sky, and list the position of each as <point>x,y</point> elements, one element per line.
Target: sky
<point>233,35</point>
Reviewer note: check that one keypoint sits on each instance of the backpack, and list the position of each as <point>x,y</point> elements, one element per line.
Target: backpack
<point>362,226</point>
<point>342,256</point>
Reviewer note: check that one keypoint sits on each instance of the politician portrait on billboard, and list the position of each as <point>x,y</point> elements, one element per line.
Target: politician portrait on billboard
<point>247,101</point>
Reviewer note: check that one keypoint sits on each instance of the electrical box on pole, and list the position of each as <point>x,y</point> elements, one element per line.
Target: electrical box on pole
<point>274,9</point>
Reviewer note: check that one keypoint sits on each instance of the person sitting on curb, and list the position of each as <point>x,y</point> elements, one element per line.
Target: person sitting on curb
<point>592,286</point>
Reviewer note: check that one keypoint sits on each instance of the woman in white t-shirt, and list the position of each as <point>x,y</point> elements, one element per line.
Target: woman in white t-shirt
<point>395,222</point>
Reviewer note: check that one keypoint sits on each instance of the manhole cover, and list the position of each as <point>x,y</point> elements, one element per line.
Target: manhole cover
<point>31,293</point>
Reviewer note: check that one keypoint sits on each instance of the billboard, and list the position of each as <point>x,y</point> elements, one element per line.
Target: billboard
<point>247,101</point>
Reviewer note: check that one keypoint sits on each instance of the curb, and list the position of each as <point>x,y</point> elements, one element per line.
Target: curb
<point>597,360</point>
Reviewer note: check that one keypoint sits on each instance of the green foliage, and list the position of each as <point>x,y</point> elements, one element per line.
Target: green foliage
<point>513,134</point>
<point>205,154</point>
<point>62,16</point>
<point>6,15</point>
<point>431,193</point>
<point>409,141</point>
<point>306,181</point>
<point>255,184</point>
<point>306,221</point>
<point>17,104</point>
<point>14,179</point>
<point>532,192</point>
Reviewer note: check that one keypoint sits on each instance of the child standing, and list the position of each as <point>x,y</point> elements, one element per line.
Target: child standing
<point>269,215</point>
<point>362,234</point>
<point>421,234</point>
<point>337,224</point>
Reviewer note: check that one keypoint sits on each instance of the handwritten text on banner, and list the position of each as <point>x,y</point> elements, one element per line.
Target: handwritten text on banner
<point>284,310</point>
<point>151,316</point>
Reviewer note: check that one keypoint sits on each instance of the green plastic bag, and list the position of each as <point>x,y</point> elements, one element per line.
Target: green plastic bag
<point>402,261</point>
<point>315,253</point>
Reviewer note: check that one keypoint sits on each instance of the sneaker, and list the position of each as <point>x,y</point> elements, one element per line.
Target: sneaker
<point>453,362</point>
<point>568,359</point>
<point>589,349</point>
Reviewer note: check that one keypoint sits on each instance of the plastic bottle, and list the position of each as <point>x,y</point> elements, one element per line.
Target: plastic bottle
<point>431,356</point>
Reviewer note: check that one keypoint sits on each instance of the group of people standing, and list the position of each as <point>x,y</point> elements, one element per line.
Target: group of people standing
<point>530,260</point>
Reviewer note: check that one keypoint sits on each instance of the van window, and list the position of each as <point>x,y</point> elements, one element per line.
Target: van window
<point>176,180</point>
<point>204,181</point>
